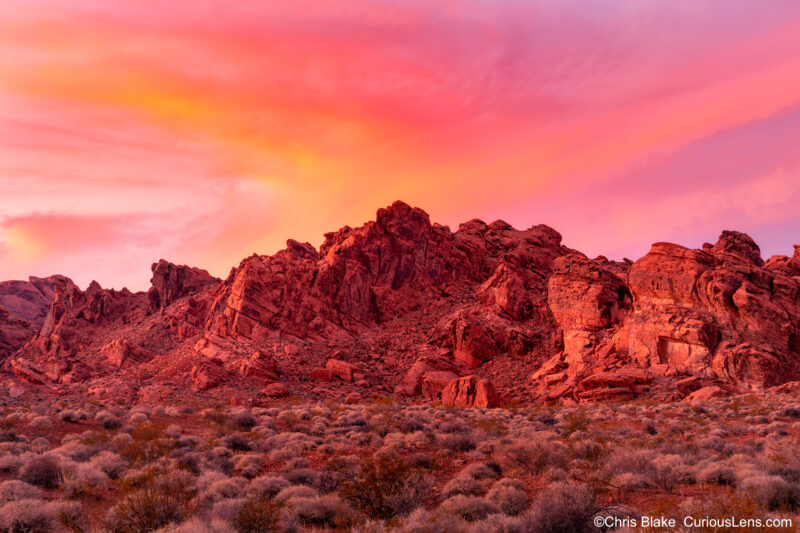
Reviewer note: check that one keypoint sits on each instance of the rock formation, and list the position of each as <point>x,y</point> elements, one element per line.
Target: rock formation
<point>23,308</point>
<point>405,306</point>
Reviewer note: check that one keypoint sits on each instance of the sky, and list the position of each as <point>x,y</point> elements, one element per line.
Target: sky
<point>203,131</point>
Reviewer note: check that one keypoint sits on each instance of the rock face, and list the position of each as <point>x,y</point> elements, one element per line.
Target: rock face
<point>470,391</point>
<point>23,308</point>
<point>171,282</point>
<point>29,300</point>
<point>13,333</point>
<point>719,313</point>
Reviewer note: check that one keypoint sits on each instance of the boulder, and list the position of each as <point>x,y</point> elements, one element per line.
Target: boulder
<point>320,374</point>
<point>434,382</point>
<point>259,365</point>
<point>341,369</point>
<point>470,391</point>
<point>706,393</point>
<point>275,390</point>
<point>208,374</point>
<point>120,353</point>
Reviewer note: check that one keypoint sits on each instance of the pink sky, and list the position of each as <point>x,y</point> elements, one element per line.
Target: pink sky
<point>202,131</point>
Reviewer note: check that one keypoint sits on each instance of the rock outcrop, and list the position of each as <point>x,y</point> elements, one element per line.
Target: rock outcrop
<point>171,282</point>
<point>23,309</point>
<point>719,312</point>
<point>470,391</point>
<point>406,305</point>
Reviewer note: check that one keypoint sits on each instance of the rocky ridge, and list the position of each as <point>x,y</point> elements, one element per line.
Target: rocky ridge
<point>479,316</point>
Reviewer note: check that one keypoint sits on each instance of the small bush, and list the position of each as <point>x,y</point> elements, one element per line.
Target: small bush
<point>38,516</point>
<point>266,487</point>
<point>510,500</point>
<point>717,474</point>
<point>328,510</point>
<point>482,471</point>
<point>110,463</point>
<point>296,491</point>
<point>144,510</point>
<point>245,420</point>
<point>258,516</point>
<point>771,492</point>
<point>563,507</point>
<point>41,470</point>
<point>386,487</point>
<point>462,485</point>
<point>17,490</point>
<point>83,479</point>
<point>437,521</point>
<point>470,508</point>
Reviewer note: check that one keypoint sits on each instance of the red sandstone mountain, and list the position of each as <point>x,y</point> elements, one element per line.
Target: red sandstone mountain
<point>476,316</point>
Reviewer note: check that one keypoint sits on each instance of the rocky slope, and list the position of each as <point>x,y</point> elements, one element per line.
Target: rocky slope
<point>480,316</point>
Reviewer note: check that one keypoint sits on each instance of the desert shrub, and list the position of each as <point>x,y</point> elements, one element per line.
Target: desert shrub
<point>437,521</point>
<point>146,509</point>
<point>490,470</point>
<point>717,474</point>
<point>563,507</point>
<point>295,491</point>
<point>38,516</point>
<point>260,515</point>
<point>266,486</point>
<point>147,443</point>
<point>110,463</point>
<point>336,471</point>
<point>462,485</point>
<point>189,461</point>
<point>228,509</point>
<point>328,510</point>
<point>10,464</point>
<point>386,487</point>
<point>198,525</point>
<point>137,418</point>
<point>470,508</point>
<point>302,476</point>
<point>462,442</point>
<point>236,442</point>
<point>223,489</point>
<point>107,420</point>
<point>245,420</point>
<point>666,478</point>
<point>498,523</point>
<point>41,470</point>
<point>17,490</point>
<point>771,492</point>
<point>629,481</point>
<point>70,415</point>
<point>509,499</point>
<point>41,423</point>
<point>533,455</point>
<point>248,464</point>
<point>83,479</point>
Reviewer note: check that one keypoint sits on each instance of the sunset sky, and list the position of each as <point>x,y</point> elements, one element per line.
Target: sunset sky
<point>201,131</point>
